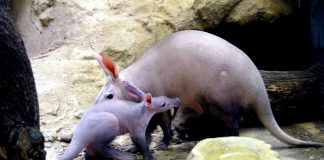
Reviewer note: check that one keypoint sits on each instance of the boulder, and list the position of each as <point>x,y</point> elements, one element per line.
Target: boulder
<point>126,28</point>
<point>248,11</point>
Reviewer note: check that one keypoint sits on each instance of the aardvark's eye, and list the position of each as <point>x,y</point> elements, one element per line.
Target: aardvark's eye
<point>110,96</point>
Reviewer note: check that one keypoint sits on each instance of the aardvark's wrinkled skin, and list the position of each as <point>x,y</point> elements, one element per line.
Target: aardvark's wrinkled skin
<point>108,119</point>
<point>207,73</point>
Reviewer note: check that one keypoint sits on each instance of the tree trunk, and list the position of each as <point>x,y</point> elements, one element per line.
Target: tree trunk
<point>294,97</point>
<point>20,137</point>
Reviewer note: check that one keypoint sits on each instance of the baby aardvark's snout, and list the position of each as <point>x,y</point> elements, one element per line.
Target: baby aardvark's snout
<point>177,102</point>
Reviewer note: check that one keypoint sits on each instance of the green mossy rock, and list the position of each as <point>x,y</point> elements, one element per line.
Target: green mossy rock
<point>232,148</point>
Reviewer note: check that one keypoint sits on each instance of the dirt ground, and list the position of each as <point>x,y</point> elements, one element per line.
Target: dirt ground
<point>68,80</point>
<point>180,150</point>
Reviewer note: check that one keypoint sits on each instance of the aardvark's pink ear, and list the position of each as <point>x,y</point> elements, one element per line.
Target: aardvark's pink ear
<point>110,65</point>
<point>134,91</point>
<point>106,63</point>
<point>148,99</point>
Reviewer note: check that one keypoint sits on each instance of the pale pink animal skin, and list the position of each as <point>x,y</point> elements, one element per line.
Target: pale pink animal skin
<point>108,119</point>
<point>207,73</point>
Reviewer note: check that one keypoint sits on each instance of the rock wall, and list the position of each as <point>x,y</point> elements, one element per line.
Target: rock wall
<point>125,28</point>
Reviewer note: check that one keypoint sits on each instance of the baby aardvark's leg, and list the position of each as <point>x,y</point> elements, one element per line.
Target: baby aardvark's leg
<point>105,151</point>
<point>139,139</point>
<point>105,131</point>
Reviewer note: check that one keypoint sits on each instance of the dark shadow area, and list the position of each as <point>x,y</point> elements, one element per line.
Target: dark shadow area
<point>282,45</point>
<point>194,126</point>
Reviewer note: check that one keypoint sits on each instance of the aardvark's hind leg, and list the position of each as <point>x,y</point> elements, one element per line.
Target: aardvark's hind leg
<point>106,151</point>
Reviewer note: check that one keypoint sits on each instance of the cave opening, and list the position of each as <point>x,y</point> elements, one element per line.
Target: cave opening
<point>282,45</point>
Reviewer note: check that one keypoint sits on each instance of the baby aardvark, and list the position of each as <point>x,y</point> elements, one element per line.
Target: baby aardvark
<point>108,119</point>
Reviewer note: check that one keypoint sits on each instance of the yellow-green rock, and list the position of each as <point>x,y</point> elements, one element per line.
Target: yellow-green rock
<point>232,148</point>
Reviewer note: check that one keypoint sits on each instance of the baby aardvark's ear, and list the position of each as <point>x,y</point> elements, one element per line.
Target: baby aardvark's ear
<point>147,99</point>
<point>106,63</point>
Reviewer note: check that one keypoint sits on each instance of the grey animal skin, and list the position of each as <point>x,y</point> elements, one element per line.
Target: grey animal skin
<point>108,119</point>
<point>207,73</point>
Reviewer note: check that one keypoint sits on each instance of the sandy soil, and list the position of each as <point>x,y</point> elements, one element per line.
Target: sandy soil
<point>68,80</point>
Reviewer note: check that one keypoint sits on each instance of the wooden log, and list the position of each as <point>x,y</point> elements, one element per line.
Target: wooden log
<point>294,97</point>
<point>20,137</point>
<point>287,88</point>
